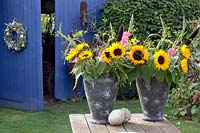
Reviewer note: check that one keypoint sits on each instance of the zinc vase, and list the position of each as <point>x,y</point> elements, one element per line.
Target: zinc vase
<point>153,98</point>
<point>101,94</point>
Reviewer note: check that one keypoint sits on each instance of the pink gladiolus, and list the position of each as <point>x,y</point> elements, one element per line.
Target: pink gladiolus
<point>100,58</point>
<point>125,37</point>
<point>172,51</point>
<point>76,60</point>
<point>99,53</point>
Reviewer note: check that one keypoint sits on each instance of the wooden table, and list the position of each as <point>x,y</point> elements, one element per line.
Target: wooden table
<point>80,124</point>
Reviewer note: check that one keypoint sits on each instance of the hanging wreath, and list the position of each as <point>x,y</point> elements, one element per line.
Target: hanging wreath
<point>15,36</point>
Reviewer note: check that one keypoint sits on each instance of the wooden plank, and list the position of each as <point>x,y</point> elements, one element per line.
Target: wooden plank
<point>114,129</point>
<point>167,127</point>
<point>133,126</point>
<point>95,128</point>
<point>79,123</point>
<point>149,127</point>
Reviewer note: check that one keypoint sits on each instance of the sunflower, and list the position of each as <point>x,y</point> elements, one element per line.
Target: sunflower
<point>161,60</point>
<point>138,54</point>
<point>81,46</point>
<point>85,55</point>
<point>185,51</point>
<point>117,51</point>
<point>106,55</point>
<point>184,65</point>
<point>72,53</point>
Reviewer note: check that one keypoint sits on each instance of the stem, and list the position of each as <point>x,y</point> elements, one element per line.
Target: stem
<point>163,34</point>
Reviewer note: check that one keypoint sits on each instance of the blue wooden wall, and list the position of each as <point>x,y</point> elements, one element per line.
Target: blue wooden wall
<point>67,13</point>
<point>21,82</point>
<point>21,73</point>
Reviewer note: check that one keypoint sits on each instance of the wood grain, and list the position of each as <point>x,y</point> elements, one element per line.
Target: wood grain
<point>95,128</point>
<point>167,127</point>
<point>133,126</point>
<point>149,127</point>
<point>79,123</point>
<point>115,129</point>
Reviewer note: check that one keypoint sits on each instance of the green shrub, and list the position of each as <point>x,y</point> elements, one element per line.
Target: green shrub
<point>182,99</point>
<point>147,14</point>
<point>127,92</point>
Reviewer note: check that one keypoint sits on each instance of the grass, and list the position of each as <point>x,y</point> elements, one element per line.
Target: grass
<point>55,118</point>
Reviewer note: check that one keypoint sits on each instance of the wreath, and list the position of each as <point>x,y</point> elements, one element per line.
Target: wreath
<point>15,36</point>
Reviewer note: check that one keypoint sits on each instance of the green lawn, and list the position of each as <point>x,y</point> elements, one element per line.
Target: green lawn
<point>55,118</point>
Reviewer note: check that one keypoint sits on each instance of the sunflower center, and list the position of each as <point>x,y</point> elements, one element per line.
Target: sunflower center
<point>107,54</point>
<point>117,52</point>
<point>86,55</point>
<point>161,60</point>
<point>138,55</point>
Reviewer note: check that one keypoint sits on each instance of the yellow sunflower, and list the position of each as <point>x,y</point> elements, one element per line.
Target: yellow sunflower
<point>184,65</point>
<point>72,53</point>
<point>117,51</point>
<point>185,51</point>
<point>106,55</point>
<point>81,46</point>
<point>133,40</point>
<point>161,60</point>
<point>138,54</point>
<point>85,55</point>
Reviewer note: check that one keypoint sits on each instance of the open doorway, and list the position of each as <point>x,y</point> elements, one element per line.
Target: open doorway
<point>48,47</point>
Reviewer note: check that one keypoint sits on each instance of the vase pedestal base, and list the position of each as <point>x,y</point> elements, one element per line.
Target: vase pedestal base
<point>101,122</point>
<point>152,119</point>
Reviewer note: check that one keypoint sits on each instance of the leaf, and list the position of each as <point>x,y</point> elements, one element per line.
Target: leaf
<point>76,79</point>
<point>127,65</point>
<point>131,25</point>
<point>194,109</point>
<point>168,77</point>
<point>160,76</point>
<point>133,74</point>
<point>182,113</point>
<point>175,112</point>
<point>146,74</point>
<point>87,76</point>
<point>173,61</point>
<point>101,67</point>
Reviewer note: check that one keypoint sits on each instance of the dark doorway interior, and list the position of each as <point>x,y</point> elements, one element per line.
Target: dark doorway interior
<point>48,46</point>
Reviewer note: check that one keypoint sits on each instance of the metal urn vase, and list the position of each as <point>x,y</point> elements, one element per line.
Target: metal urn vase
<point>101,94</point>
<point>153,98</point>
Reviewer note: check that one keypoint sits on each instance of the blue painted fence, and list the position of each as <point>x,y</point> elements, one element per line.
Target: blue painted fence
<point>67,13</point>
<point>21,73</point>
<point>21,80</point>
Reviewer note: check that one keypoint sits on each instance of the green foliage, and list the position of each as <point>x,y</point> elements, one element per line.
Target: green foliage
<point>147,14</point>
<point>48,23</point>
<point>181,99</point>
<point>129,67</point>
<point>127,92</point>
<point>94,65</point>
<point>54,119</point>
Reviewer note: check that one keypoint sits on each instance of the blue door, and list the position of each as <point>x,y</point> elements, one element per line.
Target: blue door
<point>21,72</point>
<point>67,13</point>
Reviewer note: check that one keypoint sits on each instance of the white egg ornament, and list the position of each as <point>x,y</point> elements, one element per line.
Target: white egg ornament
<point>119,116</point>
<point>127,115</point>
